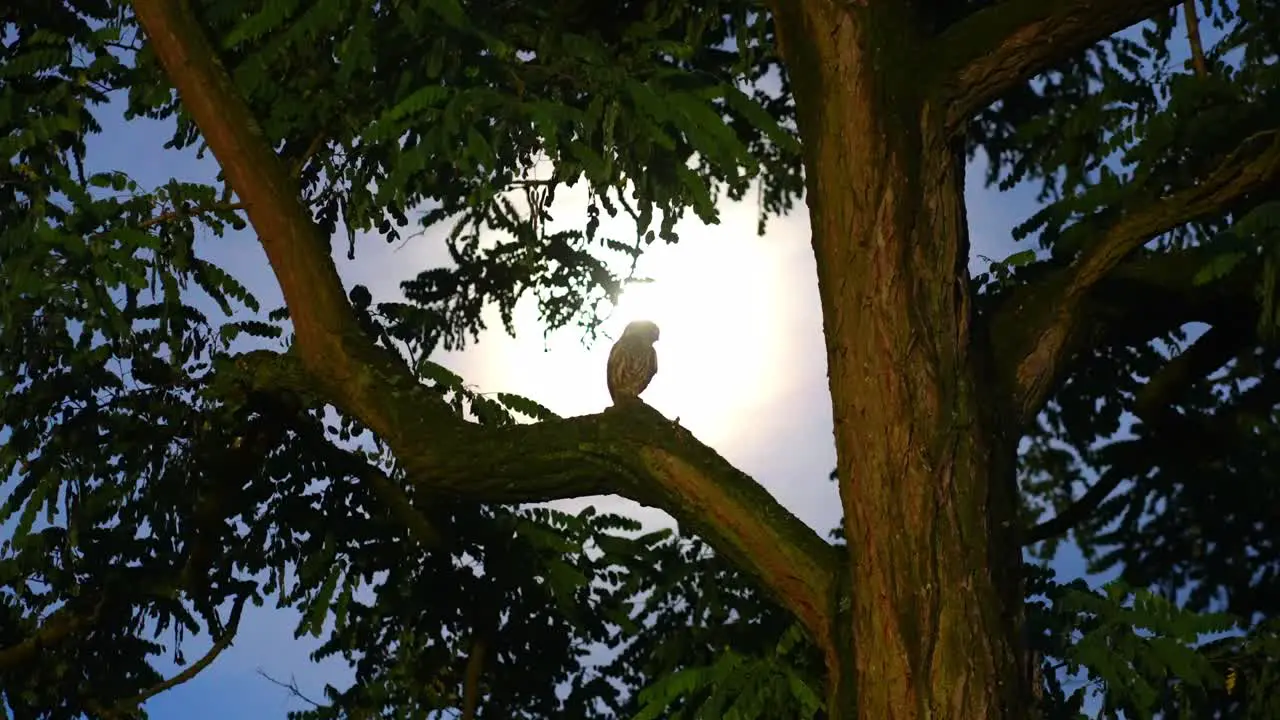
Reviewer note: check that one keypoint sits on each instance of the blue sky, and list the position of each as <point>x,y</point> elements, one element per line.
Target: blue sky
<point>785,443</point>
<point>742,366</point>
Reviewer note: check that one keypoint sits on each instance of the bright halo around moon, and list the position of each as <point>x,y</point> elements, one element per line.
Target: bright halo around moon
<point>725,312</point>
<point>741,357</point>
<point>740,333</point>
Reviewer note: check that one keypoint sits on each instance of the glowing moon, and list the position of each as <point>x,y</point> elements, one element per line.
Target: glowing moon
<point>714,304</point>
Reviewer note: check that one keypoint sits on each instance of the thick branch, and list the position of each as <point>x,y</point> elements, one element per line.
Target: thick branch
<point>63,624</point>
<point>1253,166</point>
<point>1198,61</point>
<point>1196,437</point>
<point>1077,511</point>
<point>331,345</point>
<point>1005,44</point>
<point>1040,324</point>
<point>631,451</point>
<point>471,678</point>
<point>636,453</point>
<point>1163,297</point>
<point>1208,353</point>
<point>1215,348</point>
<point>1146,298</point>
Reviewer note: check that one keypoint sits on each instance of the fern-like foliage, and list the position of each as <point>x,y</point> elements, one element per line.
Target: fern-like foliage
<point>152,489</point>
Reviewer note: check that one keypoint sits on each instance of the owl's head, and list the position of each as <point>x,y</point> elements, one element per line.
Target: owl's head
<point>642,329</point>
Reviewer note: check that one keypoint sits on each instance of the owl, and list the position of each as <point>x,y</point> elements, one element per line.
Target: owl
<point>633,361</point>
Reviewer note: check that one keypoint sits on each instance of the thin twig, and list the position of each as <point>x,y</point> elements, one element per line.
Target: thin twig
<point>312,149</point>
<point>223,642</point>
<point>130,707</point>
<point>1193,37</point>
<point>393,497</point>
<point>188,212</point>
<point>291,686</point>
<point>177,215</point>
<point>1076,511</point>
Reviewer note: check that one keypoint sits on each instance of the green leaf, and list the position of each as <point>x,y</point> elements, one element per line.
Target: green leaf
<point>1218,267</point>
<point>525,406</point>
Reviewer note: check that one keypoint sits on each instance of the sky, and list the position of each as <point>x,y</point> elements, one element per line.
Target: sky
<point>741,364</point>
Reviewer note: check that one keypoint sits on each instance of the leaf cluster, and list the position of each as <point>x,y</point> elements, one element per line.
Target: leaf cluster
<point>153,492</point>
<point>1161,438</point>
<point>653,105</point>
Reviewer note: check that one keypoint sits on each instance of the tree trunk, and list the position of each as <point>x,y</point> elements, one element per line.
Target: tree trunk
<point>929,623</point>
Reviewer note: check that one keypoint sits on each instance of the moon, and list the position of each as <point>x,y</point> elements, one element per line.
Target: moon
<point>738,313</point>
<point>722,344</point>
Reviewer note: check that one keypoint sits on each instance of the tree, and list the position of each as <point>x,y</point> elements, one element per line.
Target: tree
<point>1160,205</point>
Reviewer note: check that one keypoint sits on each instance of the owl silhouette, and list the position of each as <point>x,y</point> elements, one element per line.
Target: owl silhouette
<point>633,362</point>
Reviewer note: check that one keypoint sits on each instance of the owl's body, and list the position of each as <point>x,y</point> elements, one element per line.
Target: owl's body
<point>633,362</point>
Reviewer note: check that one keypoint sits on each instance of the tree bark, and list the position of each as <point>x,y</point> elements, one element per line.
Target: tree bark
<point>920,615</point>
<point>634,452</point>
<point>929,624</point>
